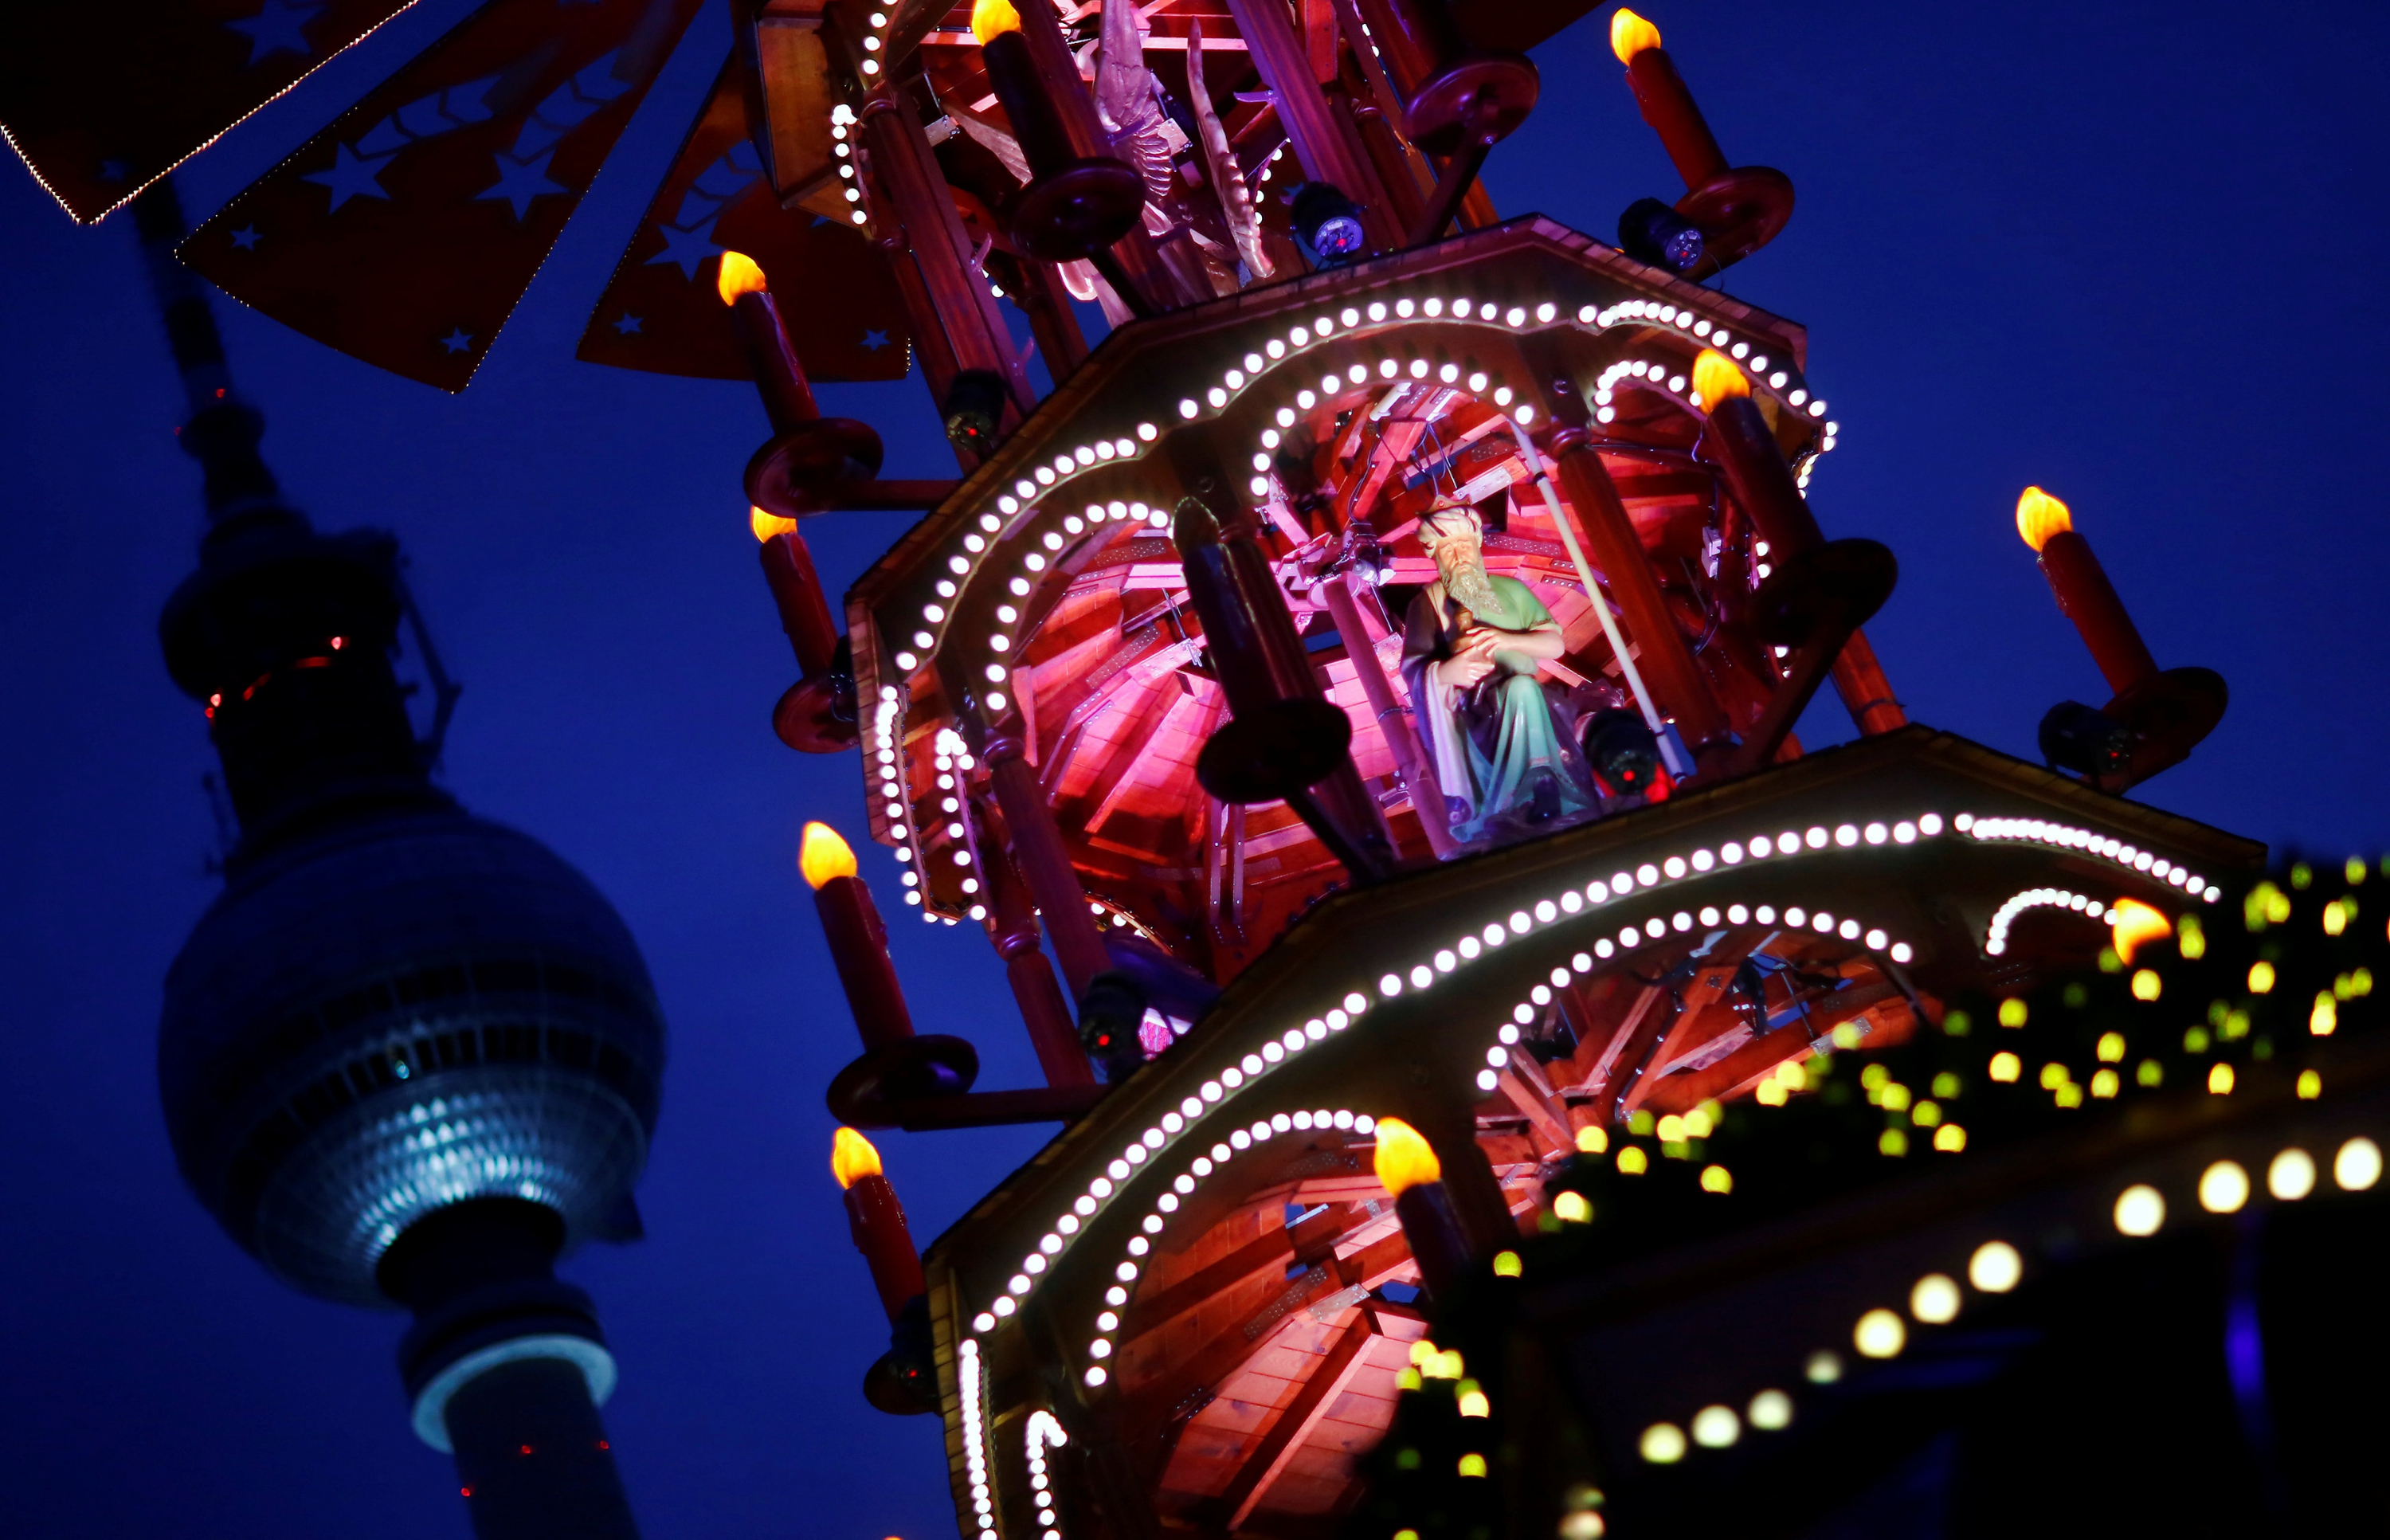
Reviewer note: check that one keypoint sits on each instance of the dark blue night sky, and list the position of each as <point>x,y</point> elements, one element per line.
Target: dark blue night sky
<point>2129,251</point>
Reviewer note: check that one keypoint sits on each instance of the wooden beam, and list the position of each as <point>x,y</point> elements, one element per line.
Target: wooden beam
<point>1542,1116</point>
<point>1704,990</point>
<point>1230,1350</point>
<point>1601,1079</point>
<point>1275,1448</point>
<point>1759,1057</point>
<point>1124,753</point>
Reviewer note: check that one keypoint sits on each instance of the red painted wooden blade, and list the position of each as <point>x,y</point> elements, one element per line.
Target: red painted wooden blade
<point>661,312</point>
<point>406,233</point>
<point>103,99</point>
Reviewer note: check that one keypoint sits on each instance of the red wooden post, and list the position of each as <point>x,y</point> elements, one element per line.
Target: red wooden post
<point>1045,863</point>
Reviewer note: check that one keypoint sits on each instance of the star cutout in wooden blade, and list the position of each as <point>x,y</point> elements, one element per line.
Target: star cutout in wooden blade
<point>406,231</point>
<point>838,298</point>
<point>103,99</point>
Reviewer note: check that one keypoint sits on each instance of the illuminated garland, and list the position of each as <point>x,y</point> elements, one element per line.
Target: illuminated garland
<point>2016,1069</point>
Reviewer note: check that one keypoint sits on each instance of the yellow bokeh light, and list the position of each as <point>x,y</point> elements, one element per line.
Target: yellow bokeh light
<point>1996,1267</point>
<point>2223,1187</point>
<point>1593,1141</point>
<point>1573,1207</point>
<point>2140,1209</point>
<point>1770,1411</point>
<point>1506,1264</point>
<point>1950,1138</point>
<point>2292,1176</point>
<point>2012,1012</point>
<point>1632,1161</point>
<point>2358,1166</point>
<point>2261,978</point>
<point>1716,1427</point>
<point>2110,1048</point>
<point>2219,1081</point>
<point>1662,1443</point>
<point>2147,985</point>
<point>2006,1066</point>
<point>1717,1179</point>
<point>1934,1299</point>
<point>1880,1334</point>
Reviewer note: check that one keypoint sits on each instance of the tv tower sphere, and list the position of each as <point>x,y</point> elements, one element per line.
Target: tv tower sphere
<point>399,1013</point>
<point>410,1057</point>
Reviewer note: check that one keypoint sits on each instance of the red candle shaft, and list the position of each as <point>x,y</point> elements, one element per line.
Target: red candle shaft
<point>804,612</point>
<point>1668,107</point>
<point>1012,75</point>
<point>1438,1244</point>
<point>1762,481</point>
<point>2086,597</point>
<point>858,945</point>
<point>780,379</point>
<point>877,1222</point>
<point>1667,662</point>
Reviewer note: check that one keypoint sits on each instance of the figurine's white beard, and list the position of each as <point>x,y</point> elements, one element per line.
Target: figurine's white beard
<point>1466,583</point>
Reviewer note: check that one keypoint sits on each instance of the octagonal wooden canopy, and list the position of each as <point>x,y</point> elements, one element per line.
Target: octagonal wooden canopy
<point>1189,1282</point>
<point>1045,598</point>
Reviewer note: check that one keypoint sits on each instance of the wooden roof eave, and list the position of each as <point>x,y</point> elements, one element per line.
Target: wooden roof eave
<point>1415,912</point>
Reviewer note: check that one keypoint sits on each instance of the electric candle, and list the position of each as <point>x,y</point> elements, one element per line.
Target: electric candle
<point>858,942</point>
<point>877,1222</point>
<point>1406,1166</point>
<point>1666,102</point>
<point>780,379</point>
<point>2085,595</point>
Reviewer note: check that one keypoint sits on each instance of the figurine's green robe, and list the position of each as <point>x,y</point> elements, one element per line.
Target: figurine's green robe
<point>1495,741</point>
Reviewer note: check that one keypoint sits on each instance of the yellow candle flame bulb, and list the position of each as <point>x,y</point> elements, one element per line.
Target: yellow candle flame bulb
<point>2039,516</point>
<point>852,1157</point>
<point>738,276</point>
<point>992,18</point>
<point>1717,376</point>
<point>824,855</point>
<point>2133,924</point>
<point>766,525</point>
<point>1404,1160</point>
<point>1629,35</point>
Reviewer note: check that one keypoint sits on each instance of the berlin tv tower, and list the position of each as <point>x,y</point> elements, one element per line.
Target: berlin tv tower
<point>408,1057</point>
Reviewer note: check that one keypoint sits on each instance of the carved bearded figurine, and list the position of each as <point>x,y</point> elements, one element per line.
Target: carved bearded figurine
<point>1472,641</point>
